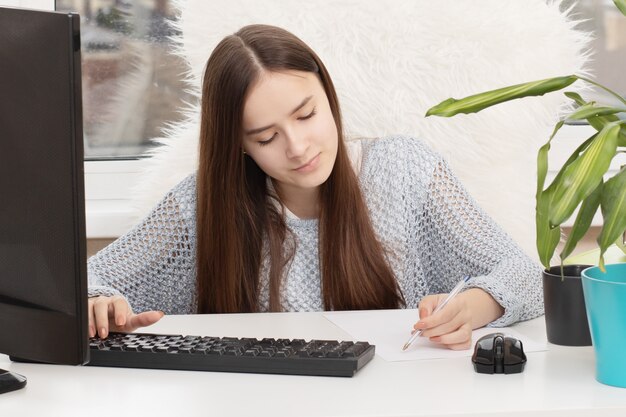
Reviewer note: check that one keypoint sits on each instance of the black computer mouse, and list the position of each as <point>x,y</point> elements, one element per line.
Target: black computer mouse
<point>498,353</point>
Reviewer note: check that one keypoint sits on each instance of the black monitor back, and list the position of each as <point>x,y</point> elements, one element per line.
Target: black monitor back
<point>43,278</point>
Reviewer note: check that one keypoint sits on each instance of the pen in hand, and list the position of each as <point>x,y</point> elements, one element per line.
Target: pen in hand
<point>457,289</point>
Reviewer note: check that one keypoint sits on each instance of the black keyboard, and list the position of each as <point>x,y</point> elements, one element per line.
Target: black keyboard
<point>230,354</point>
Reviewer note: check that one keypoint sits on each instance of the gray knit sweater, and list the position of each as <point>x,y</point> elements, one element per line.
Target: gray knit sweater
<point>433,229</point>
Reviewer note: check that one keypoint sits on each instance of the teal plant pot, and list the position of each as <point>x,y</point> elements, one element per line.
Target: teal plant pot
<point>605,300</point>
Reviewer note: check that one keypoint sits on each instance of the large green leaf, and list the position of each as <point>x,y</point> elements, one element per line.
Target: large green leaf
<point>621,244</point>
<point>621,5</point>
<point>547,237</point>
<point>478,102</point>
<point>598,123</point>
<point>583,220</point>
<point>542,166</point>
<point>542,160</point>
<point>590,110</point>
<point>576,97</point>
<point>581,148</point>
<point>582,176</point>
<point>613,205</point>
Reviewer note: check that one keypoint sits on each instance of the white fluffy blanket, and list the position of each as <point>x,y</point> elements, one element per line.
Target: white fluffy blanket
<point>392,60</point>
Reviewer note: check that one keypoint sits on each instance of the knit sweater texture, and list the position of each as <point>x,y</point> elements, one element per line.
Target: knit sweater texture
<point>432,229</point>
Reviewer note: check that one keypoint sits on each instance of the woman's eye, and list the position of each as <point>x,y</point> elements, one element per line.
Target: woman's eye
<point>308,116</point>
<point>267,141</point>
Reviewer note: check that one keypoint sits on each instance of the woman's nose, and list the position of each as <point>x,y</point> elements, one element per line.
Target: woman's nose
<point>297,145</point>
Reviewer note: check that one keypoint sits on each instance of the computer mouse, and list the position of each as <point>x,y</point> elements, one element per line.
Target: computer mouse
<point>498,353</point>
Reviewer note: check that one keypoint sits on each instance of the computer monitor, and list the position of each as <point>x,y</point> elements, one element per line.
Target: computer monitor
<point>43,277</point>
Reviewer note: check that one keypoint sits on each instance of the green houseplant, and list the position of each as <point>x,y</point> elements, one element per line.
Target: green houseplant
<point>580,184</point>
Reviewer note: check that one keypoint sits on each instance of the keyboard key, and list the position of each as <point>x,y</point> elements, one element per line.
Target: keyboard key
<point>163,349</point>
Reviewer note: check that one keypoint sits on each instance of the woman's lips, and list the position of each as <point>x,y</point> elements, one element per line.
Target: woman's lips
<point>309,166</point>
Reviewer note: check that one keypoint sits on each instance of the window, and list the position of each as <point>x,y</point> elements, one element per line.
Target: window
<point>608,64</point>
<point>132,83</point>
<point>132,88</point>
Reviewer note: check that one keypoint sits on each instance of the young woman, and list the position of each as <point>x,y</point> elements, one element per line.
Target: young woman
<point>283,215</point>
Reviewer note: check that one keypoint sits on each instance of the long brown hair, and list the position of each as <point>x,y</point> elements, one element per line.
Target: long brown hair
<point>238,221</point>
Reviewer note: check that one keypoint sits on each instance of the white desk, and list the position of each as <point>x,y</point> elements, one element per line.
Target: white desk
<point>559,382</point>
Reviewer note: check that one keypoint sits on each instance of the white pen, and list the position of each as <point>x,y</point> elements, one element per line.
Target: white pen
<point>457,289</point>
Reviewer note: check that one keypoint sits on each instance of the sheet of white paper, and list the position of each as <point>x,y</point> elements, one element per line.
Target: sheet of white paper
<point>389,330</point>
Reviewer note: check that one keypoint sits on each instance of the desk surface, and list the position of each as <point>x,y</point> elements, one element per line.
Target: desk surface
<point>557,382</point>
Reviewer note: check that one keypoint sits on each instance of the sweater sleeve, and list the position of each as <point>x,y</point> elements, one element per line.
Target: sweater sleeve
<point>153,265</point>
<point>461,239</point>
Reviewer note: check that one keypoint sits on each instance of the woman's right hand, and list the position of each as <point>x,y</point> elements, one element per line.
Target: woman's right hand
<point>113,314</point>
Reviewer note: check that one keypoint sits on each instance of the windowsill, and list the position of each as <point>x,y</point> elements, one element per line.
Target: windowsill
<point>108,197</point>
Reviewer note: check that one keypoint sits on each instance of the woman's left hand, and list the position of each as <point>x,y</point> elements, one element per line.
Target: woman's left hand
<point>452,326</point>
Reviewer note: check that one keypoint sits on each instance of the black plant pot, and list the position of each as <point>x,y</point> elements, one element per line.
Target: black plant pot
<point>566,317</point>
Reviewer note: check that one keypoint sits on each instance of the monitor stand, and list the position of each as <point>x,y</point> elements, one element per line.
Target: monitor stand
<point>10,381</point>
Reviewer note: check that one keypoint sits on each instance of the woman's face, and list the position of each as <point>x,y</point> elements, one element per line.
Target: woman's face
<point>289,129</point>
